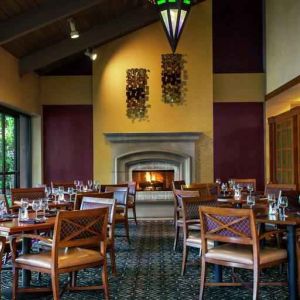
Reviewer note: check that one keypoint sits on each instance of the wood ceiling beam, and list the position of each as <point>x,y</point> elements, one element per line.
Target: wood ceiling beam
<point>47,13</point>
<point>96,36</point>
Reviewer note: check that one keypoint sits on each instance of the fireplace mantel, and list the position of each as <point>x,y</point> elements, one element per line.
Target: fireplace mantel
<point>132,151</point>
<point>152,137</point>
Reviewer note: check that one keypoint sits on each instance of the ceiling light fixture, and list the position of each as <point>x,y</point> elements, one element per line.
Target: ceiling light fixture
<point>91,54</point>
<point>173,14</point>
<point>74,34</point>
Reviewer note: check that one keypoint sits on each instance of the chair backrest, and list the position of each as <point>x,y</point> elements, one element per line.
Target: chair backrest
<point>132,188</point>
<point>213,188</point>
<point>228,225</point>
<point>65,185</point>
<point>272,188</point>
<point>2,246</point>
<point>243,182</point>
<point>120,193</point>
<point>176,184</point>
<point>190,207</point>
<point>179,194</point>
<point>80,228</point>
<point>30,193</point>
<point>95,202</point>
<point>201,187</point>
<point>104,186</point>
<point>79,196</point>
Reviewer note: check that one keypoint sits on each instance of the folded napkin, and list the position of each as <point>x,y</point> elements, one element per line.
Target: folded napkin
<point>32,221</point>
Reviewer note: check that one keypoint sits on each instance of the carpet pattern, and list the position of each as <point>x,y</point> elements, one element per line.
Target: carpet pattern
<point>148,268</point>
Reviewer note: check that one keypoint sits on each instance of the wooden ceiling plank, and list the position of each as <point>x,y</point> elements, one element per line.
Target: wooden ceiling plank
<point>47,13</point>
<point>98,35</point>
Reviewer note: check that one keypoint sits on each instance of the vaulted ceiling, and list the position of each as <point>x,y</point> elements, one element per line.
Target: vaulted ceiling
<point>38,34</point>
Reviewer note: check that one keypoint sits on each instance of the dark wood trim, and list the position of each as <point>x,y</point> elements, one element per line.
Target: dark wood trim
<point>283,88</point>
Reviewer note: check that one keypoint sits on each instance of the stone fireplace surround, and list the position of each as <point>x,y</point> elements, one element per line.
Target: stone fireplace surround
<point>153,151</point>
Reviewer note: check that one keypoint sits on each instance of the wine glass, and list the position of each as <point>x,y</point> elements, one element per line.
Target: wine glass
<point>2,208</point>
<point>271,201</point>
<point>90,184</point>
<point>283,204</point>
<point>251,200</point>
<point>44,207</point>
<point>36,207</point>
<point>224,188</point>
<point>250,188</point>
<point>70,193</point>
<point>218,181</point>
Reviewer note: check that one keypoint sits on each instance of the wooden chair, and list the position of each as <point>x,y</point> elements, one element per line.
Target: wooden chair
<point>273,188</point>
<point>95,202</point>
<point>132,198</point>
<point>243,183</point>
<point>104,186</point>
<point>236,230</point>
<point>30,193</point>
<point>179,194</point>
<point>2,247</point>
<point>79,196</point>
<point>191,225</point>
<point>200,187</point>
<point>73,230</point>
<point>121,196</point>
<point>65,185</point>
<point>176,185</point>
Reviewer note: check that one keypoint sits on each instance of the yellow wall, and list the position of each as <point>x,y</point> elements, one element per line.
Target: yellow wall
<point>282,42</point>
<point>237,87</point>
<point>20,93</point>
<point>143,49</point>
<point>65,90</point>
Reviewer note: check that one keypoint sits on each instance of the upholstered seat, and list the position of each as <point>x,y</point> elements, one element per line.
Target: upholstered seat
<point>69,257</point>
<point>244,254</point>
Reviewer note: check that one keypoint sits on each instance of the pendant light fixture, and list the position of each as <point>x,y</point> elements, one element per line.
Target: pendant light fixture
<point>173,14</point>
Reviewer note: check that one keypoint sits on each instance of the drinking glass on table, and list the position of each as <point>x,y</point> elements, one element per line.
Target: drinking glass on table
<point>90,184</point>
<point>2,208</point>
<point>223,188</point>
<point>36,207</point>
<point>283,204</point>
<point>70,192</point>
<point>251,200</point>
<point>272,202</point>
<point>44,207</point>
<point>24,207</point>
<point>250,188</point>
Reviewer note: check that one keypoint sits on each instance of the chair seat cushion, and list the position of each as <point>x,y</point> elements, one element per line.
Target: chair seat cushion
<point>243,254</point>
<point>119,218</point>
<point>194,240</point>
<point>68,257</point>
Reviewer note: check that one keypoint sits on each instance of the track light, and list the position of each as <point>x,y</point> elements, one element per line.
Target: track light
<point>74,34</point>
<point>91,54</point>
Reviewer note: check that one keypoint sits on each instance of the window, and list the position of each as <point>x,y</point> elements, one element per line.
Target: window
<point>9,154</point>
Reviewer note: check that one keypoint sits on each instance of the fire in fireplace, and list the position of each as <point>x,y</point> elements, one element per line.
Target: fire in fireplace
<point>153,180</point>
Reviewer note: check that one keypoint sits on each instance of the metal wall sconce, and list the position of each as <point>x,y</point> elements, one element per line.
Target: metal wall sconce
<point>172,78</point>
<point>137,91</point>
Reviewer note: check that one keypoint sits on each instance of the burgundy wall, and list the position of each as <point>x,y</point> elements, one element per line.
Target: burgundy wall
<point>238,36</point>
<point>67,142</point>
<point>239,141</point>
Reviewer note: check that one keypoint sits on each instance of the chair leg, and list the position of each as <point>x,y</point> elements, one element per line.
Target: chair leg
<point>256,273</point>
<point>15,283</point>
<point>176,237</point>
<point>127,230</point>
<point>105,280</point>
<point>55,285</point>
<point>113,259</point>
<point>202,279</point>
<point>184,258</point>
<point>134,213</point>
<point>74,278</point>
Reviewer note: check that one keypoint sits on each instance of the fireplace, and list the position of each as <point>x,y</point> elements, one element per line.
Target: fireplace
<point>153,180</point>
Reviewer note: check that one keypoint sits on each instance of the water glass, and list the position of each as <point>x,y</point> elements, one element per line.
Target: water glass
<point>272,202</point>
<point>250,188</point>
<point>283,204</point>
<point>44,207</point>
<point>90,184</point>
<point>2,208</point>
<point>251,200</point>
<point>36,207</point>
<point>224,188</point>
<point>24,208</point>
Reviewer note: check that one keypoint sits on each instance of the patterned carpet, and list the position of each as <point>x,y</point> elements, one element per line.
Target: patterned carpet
<point>150,269</point>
